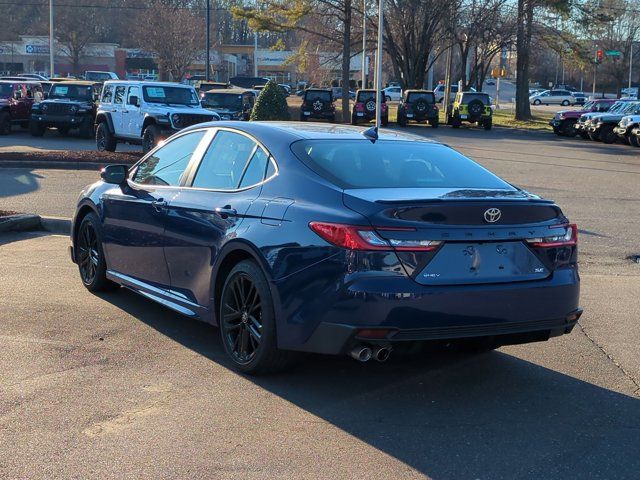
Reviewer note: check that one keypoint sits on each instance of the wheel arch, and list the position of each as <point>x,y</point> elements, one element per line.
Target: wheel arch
<point>148,120</point>
<point>83,210</point>
<point>105,117</point>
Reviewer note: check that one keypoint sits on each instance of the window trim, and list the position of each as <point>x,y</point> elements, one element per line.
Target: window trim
<point>194,168</point>
<point>197,153</point>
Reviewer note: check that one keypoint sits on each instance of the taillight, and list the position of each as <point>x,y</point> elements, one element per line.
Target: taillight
<point>359,107</point>
<point>567,239</point>
<point>357,237</point>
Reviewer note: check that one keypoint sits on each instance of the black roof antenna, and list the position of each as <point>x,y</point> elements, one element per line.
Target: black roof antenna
<point>371,134</point>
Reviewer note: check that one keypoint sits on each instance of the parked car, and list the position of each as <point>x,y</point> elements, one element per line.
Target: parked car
<point>317,104</point>
<point>70,105</point>
<point>265,230</point>
<point>626,126</point>
<point>99,76</point>
<point>16,101</point>
<point>440,90</point>
<point>553,97</point>
<point>364,108</point>
<point>564,121</point>
<point>285,88</point>
<point>145,113</point>
<point>472,107</point>
<point>634,138</point>
<point>418,106</point>
<point>585,119</point>
<point>392,94</point>
<point>565,86</point>
<point>203,87</point>
<point>602,127</point>
<point>248,82</point>
<point>229,104</point>
<point>33,76</point>
<point>490,81</point>
<point>580,98</point>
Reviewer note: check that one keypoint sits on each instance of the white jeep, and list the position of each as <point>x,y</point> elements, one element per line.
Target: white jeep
<point>144,113</point>
<point>627,129</point>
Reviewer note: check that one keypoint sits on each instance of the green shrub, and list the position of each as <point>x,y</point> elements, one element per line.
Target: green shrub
<point>271,104</point>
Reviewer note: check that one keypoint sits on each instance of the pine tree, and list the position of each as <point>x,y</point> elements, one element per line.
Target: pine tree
<point>271,104</point>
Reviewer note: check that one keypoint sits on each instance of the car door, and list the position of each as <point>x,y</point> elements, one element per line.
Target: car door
<point>133,117</point>
<point>202,218</point>
<point>118,112</point>
<point>134,215</point>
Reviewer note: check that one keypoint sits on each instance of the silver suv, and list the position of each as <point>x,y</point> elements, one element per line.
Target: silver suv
<point>144,113</point>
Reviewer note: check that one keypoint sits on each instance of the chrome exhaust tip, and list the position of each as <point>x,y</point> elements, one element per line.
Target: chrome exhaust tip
<point>382,354</point>
<point>361,353</point>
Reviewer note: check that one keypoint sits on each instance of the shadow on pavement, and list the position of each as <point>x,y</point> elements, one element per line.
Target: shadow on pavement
<point>448,416</point>
<point>17,182</point>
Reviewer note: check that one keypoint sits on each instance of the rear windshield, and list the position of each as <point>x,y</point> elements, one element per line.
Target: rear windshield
<point>427,97</point>
<point>366,96</point>
<point>312,96</point>
<point>393,164</point>
<point>469,97</point>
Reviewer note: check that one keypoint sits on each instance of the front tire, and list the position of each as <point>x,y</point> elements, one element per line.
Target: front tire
<point>36,129</point>
<point>247,321</point>
<point>90,255</point>
<point>607,135</point>
<point>150,138</point>
<point>634,140</point>
<point>5,123</point>
<point>105,141</point>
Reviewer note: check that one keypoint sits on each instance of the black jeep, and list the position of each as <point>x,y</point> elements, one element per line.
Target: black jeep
<point>317,103</point>
<point>418,106</point>
<point>70,105</point>
<point>364,109</point>
<point>230,104</point>
<point>472,107</point>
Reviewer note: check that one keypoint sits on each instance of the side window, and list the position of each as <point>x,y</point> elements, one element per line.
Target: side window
<point>133,92</point>
<point>256,169</point>
<point>223,163</point>
<point>168,163</point>
<point>107,93</point>
<point>119,96</point>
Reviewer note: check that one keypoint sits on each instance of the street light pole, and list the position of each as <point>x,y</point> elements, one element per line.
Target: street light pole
<point>207,62</point>
<point>51,45</point>
<point>379,64</point>
<point>364,44</point>
<point>631,64</point>
<point>255,54</point>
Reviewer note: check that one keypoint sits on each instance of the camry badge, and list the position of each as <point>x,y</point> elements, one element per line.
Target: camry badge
<point>492,215</point>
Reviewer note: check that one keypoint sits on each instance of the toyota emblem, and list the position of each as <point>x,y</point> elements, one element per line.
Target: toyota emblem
<point>492,215</point>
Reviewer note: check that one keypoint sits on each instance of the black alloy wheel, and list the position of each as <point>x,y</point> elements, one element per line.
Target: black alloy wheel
<point>607,135</point>
<point>247,321</point>
<point>634,140</point>
<point>89,255</point>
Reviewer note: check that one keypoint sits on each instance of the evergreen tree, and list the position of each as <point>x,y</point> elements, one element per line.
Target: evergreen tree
<point>271,104</point>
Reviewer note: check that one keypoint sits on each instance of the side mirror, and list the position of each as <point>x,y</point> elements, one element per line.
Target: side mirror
<point>45,95</point>
<point>17,94</point>
<point>114,174</point>
<point>134,100</point>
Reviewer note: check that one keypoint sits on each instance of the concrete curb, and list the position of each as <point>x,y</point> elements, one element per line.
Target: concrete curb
<point>53,165</point>
<point>20,223</point>
<point>58,225</point>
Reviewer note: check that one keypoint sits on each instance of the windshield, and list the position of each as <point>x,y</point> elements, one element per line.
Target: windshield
<point>170,95</point>
<point>97,76</point>
<point>588,106</point>
<point>393,164</point>
<point>314,95</point>
<point>630,107</point>
<point>415,96</point>
<point>232,101</point>
<point>6,90</point>
<point>72,92</point>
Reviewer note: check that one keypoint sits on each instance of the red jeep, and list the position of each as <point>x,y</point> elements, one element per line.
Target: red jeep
<point>564,121</point>
<point>364,109</point>
<point>16,99</point>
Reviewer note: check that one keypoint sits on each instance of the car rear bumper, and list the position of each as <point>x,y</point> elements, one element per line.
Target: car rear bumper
<point>333,324</point>
<point>323,115</point>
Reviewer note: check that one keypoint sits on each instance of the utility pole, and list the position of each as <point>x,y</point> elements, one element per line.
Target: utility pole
<point>631,64</point>
<point>207,62</point>
<point>430,72</point>
<point>51,45</point>
<point>379,64</point>
<point>255,54</point>
<point>364,44</point>
<point>447,83</point>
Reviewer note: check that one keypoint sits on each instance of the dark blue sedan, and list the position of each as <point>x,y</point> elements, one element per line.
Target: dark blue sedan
<point>316,238</point>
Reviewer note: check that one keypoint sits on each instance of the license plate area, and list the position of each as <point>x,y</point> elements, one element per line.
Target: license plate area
<point>489,262</point>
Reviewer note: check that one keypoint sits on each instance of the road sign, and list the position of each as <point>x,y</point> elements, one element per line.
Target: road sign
<point>613,53</point>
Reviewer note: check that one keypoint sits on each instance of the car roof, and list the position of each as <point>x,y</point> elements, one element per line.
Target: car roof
<point>234,91</point>
<point>146,82</point>
<point>318,90</point>
<point>30,81</point>
<point>294,131</point>
<point>79,82</point>
<point>417,90</point>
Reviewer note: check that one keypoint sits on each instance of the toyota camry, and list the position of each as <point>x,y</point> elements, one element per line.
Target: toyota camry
<point>329,239</point>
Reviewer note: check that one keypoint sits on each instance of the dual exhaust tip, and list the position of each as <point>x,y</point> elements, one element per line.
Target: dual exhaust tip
<point>363,353</point>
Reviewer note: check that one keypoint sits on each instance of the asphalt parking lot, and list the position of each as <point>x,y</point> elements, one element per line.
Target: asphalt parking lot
<point>112,386</point>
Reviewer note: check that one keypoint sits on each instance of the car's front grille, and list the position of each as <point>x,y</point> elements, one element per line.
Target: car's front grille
<point>56,108</point>
<point>188,119</point>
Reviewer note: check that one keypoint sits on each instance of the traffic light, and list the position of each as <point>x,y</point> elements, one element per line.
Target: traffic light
<point>599,55</point>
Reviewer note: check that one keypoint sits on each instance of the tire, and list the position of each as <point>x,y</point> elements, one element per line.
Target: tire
<point>568,128</point>
<point>556,130</point>
<point>402,120</point>
<point>455,121</point>
<point>594,136</point>
<point>36,129</point>
<point>608,136</point>
<point>634,140</point>
<point>64,131</point>
<point>584,134</point>
<point>435,123</point>
<point>105,141</point>
<point>385,121</point>
<point>247,322</point>
<point>150,138</point>
<point>90,255</point>
<point>487,124</point>
<point>537,102</point>
<point>5,123</point>
<point>565,103</point>
<point>354,119</point>
<point>87,128</point>
<point>303,118</point>
<point>332,119</point>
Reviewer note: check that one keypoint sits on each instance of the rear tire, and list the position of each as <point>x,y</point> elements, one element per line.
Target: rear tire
<point>385,121</point>
<point>402,120</point>
<point>247,322</point>
<point>5,123</point>
<point>487,124</point>
<point>354,119</point>
<point>537,102</point>
<point>105,141</point>
<point>90,255</point>
<point>435,123</point>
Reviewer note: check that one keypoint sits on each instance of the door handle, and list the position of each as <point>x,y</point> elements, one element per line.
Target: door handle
<point>226,211</point>
<point>159,205</point>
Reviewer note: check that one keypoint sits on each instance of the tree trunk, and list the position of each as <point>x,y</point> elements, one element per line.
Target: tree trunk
<point>346,61</point>
<point>525,20</point>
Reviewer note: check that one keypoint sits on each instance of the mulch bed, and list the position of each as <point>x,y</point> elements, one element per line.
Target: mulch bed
<point>6,213</point>
<point>74,156</point>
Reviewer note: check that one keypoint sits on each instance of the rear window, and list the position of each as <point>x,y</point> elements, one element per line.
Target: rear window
<point>469,97</point>
<point>427,97</point>
<point>314,95</point>
<point>393,164</point>
<point>366,96</point>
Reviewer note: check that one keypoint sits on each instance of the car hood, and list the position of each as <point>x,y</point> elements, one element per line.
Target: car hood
<point>66,101</point>
<point>169,109</point>
<point>630,119</point>
<point>570,113</point>
<point>611,118</point>
<point>227,111</point>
